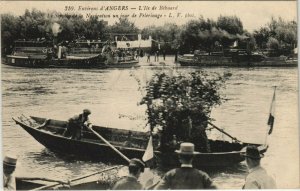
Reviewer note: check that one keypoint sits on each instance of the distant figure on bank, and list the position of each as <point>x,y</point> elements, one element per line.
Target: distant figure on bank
<point>77,123</point>
<point>185,177</point>
<point>258,177</point>
<point>128,142</point>
<point>130,182</point>
<point>9,166</point>
<point>148,56</point>
<point>164,55</point>
<point>173,145</point>
<point>176,55</point>
<point>156,58</point>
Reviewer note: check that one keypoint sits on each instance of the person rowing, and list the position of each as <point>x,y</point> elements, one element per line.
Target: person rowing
<point>76,123</point>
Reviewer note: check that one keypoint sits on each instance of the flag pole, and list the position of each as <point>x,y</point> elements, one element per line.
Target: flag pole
<point>271,116</point>
<point>266,138</point>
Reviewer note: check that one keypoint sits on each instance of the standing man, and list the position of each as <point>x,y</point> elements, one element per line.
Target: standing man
<point>130,182</point>
<point>148,56</point>
<point>185,177</point>
<point>164,54</point>
<point>76,123</point>
<point>9,166</point>
<point>157,54</point>
<point>258,177</point>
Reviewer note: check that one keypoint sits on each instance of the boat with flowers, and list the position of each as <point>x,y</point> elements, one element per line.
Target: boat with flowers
<point>49,132</point>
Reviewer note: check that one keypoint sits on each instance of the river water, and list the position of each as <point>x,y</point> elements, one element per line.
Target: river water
<point>113,93</point>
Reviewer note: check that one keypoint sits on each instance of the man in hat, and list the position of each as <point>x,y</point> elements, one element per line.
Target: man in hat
<point>9,166</point>
<point>76,124</point>
<point>130,182</point>
<point>185,177</point>
<point>258,177</point>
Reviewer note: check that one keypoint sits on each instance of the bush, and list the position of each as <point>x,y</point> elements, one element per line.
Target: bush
<point>181,105</point>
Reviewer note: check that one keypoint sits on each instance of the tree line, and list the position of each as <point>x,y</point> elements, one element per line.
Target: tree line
<point>198,34</point>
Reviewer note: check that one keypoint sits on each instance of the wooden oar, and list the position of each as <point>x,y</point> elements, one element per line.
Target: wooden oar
<point>43,179</point>
<point>75,179</point>
<point>110,145</point>
<point>222,131</point>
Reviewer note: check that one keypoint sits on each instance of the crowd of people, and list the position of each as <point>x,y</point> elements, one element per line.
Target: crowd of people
<point>156,56</point>
<point>187,177</point>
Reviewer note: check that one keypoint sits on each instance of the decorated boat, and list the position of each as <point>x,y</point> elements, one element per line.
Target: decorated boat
<point>43,54</point>
<point>121,59</point>
<point>132,144</point>
<point>125,50</point>
<point>235,58</point>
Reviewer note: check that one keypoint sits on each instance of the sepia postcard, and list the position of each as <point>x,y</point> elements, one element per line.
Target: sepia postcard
<point>128,95</point>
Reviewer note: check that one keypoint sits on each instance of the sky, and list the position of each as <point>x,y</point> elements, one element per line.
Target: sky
<point>253,14</point>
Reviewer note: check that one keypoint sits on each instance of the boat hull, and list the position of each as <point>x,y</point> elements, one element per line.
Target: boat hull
<point>224,153</point>
<point>217,61</point>
<point>42,62</point>
<point>130,64</point>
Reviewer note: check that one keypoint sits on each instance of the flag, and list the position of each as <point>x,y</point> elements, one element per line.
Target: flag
<point>148,155</point>
<point>272,113</point>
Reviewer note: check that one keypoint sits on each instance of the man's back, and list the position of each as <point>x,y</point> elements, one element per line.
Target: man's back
<point>185,178</point>
<point>127,183</point>
<point>259,179</point>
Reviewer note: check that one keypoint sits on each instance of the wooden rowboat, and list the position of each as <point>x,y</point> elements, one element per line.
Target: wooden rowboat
<point>86,182</point>
<point>132,144</point>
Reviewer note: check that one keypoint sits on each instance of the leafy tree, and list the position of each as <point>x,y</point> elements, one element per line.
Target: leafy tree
<point>97,29</point>
<point>273,43</point>
<point>195,35</point>
<point>9,32</point>
<point>231,24</point>
<point>261,36</point>
<point>124,26</point>
<point>278,34</point>
<point>181,105</point>
<point>32,24</point>
<point>167,36</point>
<point>209,35</point>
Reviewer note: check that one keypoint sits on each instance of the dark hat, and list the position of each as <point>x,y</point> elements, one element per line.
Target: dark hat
<point>187,149</point>
<point>10,160</point>
<point>252,152</point>
<point>87,111</point>
<point>137,163</point>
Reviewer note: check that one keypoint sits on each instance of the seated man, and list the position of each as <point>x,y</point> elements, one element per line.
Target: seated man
<point>9,166</point>
<point>76,123</point>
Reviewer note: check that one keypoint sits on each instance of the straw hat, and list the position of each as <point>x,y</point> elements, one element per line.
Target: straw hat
<point>187,149</point>
<point>10,160</point>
